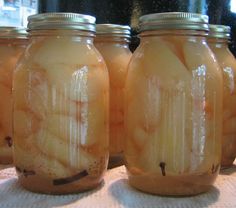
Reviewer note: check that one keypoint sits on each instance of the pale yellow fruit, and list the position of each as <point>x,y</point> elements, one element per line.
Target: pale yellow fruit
<point>61,109</point>
<point>166,107</point>
<point>117,59</point>
<point>175,44</point>
<point>207,92</point>
<point>26,123</point>
<point>41,164</point>
<point>171,71</point>
<point>65,53</point>
<point>68,152</point>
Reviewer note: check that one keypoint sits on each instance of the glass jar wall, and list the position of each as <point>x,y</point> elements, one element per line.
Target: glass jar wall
<point>112,42</point>
<point>12,43</point>
<point>173,107</point>
<point>61,106</point>
<point>218,41</point>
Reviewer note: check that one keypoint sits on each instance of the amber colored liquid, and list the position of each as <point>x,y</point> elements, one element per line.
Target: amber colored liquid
<point>173,185</point>
<point>61,117</point>
<point>228,65</point>
<point>173,109</point>
<point>10,51</point>
<point>117,56</point>
<point>77,183</point>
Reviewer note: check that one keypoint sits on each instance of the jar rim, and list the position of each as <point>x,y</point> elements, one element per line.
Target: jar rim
<point>61,20</point>
<point>115,30</point>
<point>174,20</point>
<point>219,31</point>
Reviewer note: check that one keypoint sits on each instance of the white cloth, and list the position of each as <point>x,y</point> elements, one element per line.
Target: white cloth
<point>114,193</point>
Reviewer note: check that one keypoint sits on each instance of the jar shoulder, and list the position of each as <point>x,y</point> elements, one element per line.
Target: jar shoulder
<point>169,54</point>
<point>62,62</point>
<point>225,58</point>
<point>62,51</point>
<point>109,51</point>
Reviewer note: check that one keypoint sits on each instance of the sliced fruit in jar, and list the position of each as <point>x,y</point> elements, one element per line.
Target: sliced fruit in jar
<point>26,123</point>
<point>171,72</point>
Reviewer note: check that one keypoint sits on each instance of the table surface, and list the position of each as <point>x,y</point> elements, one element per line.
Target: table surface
<point>115,192</point>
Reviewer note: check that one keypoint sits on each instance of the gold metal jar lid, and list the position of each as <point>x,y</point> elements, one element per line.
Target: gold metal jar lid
<point>60,20</point>
<point>13,32</point>
<point>113,30</point>
<point>174,20</point>
<point>219,31</point>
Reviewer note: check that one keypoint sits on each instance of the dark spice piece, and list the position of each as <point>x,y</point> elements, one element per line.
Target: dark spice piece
<point>62,181</point>
<point>18,169</point>
<point>212,168</point>
<point>26,173</point>
<point>9,141</point>
<point>162,166</point>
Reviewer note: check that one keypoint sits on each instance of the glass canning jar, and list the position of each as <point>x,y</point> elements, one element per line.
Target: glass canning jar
<point>13,41</point>
<point>112,41</point>
<point>218,39</point>
<point>61,95</point>
<point>173,107</point>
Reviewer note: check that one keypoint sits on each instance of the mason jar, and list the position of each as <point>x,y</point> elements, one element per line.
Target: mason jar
<point>173,107</point>
<point>218,39</point>
<point>13,41</point>
<point>60,93</point>
<point>112,41</point>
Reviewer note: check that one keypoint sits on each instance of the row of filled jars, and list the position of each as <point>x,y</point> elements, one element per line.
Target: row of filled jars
<point>169,108</point>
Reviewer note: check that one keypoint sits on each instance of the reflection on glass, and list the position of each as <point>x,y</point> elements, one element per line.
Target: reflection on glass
<point>233,6</point>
